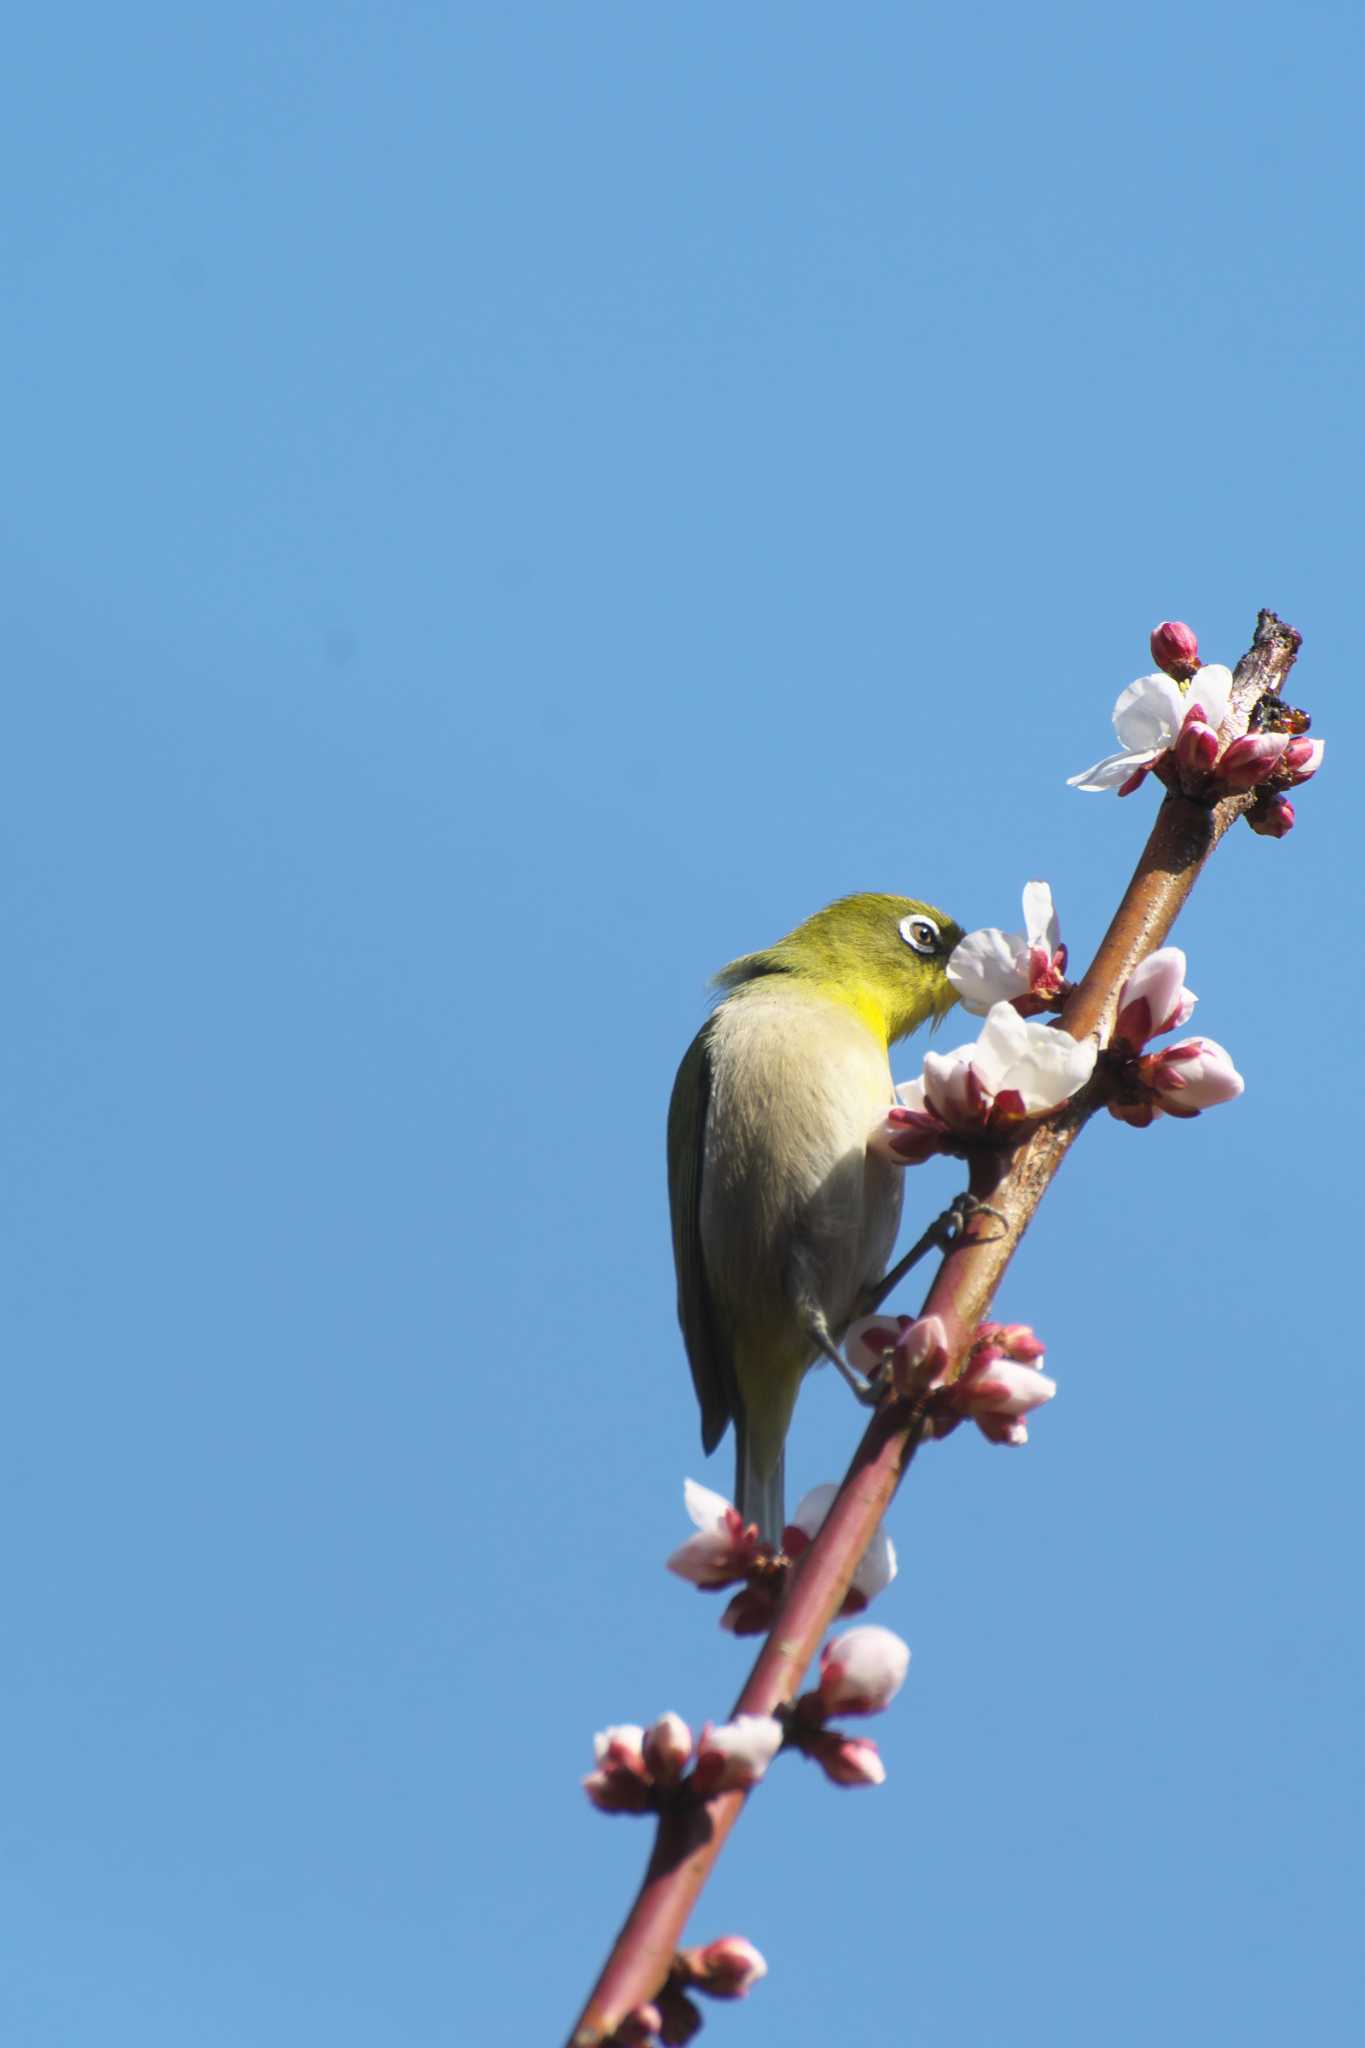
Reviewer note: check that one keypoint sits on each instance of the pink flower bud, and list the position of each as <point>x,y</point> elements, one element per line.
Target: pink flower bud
<point>722,1549</point>
<point>1302,758</point>
<point>736,1755</point>
<point>1271,816</point>
<point>1252,760</point>
<point>907,1137</point>
<point>666,1748</point>
<point>1001,1384</point>
<point>1196,749</point>
<point>867,1345</point>
<point>1195,1074</point>
<point>1175,649</point>
<point>862,1670</point>
<point>1004,1387</point>
<point>621,1782</point>
<point>921,1354</point>
<point>621,1746</point>
<point>727,1968</point>
<point>1154,998</point>
<point>846,1759</point>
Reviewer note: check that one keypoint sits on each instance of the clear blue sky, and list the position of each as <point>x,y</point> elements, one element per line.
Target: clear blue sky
<point>507,508</point>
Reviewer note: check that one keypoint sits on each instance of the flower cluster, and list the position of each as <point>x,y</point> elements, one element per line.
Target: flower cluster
<point>638,1768</point>
<point>1013,1071</point>
<point>1177,1080</point>
<point>999,1385</point>
<point>1026,969</point>
<point>725,1552</point>
<point>1168,725</point>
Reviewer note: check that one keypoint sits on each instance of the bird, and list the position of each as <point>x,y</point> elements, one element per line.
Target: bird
<point>783,1220</point>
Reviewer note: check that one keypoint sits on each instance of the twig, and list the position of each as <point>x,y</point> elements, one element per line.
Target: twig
<point>1014,1179</point>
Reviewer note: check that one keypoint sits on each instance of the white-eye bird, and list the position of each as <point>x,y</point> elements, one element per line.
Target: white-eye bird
<point>783,1221</point>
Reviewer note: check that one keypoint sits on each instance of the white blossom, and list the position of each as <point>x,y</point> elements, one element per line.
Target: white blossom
<point>1147,720</point>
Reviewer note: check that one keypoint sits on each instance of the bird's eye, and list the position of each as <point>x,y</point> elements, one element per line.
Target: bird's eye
<point>921,934</point>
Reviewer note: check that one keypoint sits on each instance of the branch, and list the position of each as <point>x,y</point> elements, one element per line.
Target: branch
<point>1014,1179</point>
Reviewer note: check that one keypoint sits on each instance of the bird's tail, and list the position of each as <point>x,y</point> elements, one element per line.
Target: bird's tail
<point>758,1493</point>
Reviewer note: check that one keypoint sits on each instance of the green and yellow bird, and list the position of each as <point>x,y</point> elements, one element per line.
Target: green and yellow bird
<point>783,1222</point>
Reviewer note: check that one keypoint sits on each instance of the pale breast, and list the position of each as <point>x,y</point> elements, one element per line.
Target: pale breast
<point>797,1082</point>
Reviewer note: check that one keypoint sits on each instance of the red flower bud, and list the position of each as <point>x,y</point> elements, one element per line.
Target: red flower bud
<point>1271,816</point>
<point>1175,649</point>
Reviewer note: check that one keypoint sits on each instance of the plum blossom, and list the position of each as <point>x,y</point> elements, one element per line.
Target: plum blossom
<point>726,1968</point>
<point>999,1387</point>
<point>1147,720</point>
<point>845,1759</point>
<point>666,1748</point>
<point>1195,1074</point>
<point>723,1548</point>
<point>1025,968</point>
<point>735,1755</point>
<point>878,1566</point>
<point>1300,761</point>
<point>915,1347</point>
<point>621,1783</point>
<point>861,1671</point>
<point>1154,999</point>
<point>1177,1080</point>
<point>1015,1069</point>
<point>1169,725</point>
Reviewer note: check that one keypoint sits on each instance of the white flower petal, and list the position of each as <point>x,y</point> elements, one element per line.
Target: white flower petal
<point>1045,1065</point>
<point>878,1567</point>
<point>985,967</point>
<point>945,1079</point>
<point>1002,1045</point>
<point>1057,1066</point>
<point>1040,916</point>
<point>1113,770</point>
<point>1211,687</point>
<point>1149,713</point>
<point>704,1507</point>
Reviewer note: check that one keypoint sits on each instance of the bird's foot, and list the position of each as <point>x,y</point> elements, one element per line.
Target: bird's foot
<point>867,1390</point>
<point>950,1228</point>
<point>944,1233</point>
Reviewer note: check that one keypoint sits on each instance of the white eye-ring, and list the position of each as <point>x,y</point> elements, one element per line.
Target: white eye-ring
<point>920,933</point>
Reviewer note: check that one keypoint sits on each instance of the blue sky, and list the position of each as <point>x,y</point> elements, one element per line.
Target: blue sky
<point>509,508</point>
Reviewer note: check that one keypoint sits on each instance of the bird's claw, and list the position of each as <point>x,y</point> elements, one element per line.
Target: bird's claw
<point>951,1227</point>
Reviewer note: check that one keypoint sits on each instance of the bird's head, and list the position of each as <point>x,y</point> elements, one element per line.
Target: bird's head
<point>885,956</point>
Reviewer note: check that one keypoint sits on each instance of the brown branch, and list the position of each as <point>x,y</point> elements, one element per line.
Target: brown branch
<point>1014,1179</point>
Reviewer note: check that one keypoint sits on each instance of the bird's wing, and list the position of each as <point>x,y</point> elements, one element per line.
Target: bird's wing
<point>712,1369</point>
